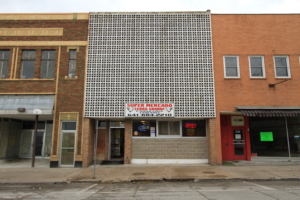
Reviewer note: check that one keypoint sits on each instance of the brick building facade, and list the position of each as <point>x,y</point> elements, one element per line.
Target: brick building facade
<point>42,60</point>
<point>256,61</point>
<point>144,75</point>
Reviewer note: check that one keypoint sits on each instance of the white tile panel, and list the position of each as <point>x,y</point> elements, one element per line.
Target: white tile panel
<point>150,58</point>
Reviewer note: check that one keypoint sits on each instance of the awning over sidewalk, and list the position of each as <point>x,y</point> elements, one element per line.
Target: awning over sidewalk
<point>9,104</point>
<point>269,111</point>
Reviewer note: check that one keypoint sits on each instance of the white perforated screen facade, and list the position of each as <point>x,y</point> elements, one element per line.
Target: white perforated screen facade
<point>150,58</point>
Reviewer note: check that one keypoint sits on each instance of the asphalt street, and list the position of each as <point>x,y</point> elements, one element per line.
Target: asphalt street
<point>201,190</point>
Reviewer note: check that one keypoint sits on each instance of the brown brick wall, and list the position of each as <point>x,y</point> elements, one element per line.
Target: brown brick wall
<point>70,92</point>
<point>245,35</point>
<point>128,148</point>
<point>74,30</point>
<point>181,148</point>
<point>88,142</point>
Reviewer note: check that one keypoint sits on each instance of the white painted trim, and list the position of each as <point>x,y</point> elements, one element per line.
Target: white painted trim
<point>169,161</point>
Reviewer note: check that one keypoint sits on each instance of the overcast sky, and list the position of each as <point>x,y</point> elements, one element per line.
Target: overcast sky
<point>216,6</point>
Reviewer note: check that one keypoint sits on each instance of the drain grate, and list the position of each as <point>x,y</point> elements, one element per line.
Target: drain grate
<point>208,172</point>
<point>138,173</point>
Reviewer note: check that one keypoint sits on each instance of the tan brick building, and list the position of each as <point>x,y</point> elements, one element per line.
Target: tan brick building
<point>42,73</point>
<point>256,67</point>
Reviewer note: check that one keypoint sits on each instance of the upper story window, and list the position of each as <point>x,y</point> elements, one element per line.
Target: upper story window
<point>47,64</point>
<point>72,63</point>
<point>4,59</point>
<point>28,63</point>
<point>282,68</point>
<point>257,68</point>
<point>231,67</point>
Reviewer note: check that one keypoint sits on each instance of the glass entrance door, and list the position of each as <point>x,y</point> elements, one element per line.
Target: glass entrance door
<point>67,148</point>
<point>239,144</point>
<point>117,143</point>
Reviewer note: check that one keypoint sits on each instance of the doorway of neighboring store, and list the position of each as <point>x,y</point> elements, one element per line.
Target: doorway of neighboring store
<point>27,141</point>
<point>117,144</point>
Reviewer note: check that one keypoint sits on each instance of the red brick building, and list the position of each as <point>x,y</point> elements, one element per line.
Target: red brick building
<point>257,77</point>
<point>42,73</point>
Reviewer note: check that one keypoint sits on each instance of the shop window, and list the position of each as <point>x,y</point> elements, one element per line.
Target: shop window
<point>28,63</point>
<point>231,67</point>
<point>193,128</point>
<point>257,68</point>
<point>282,67</point>
<point>169,128</point>
<point>72,63</point>
<point>143,128</point>
<point>47,64</point>
<point>4,59</point>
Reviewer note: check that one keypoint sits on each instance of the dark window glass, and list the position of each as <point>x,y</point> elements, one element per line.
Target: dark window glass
<point>4,60</point>
<point>102,124</point>
<point>28,63</point>
<point>31,124</point>
<point>72,63</point>
<point>256,64</point>
<point>47,65</point>
<point>193,128</point>
<point>141,128</point>
<point>281,66</point>
<point>231,66</point>
<point>69,126</point>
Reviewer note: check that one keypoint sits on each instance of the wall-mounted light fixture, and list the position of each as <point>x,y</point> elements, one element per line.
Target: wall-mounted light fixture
<point>21,109</point>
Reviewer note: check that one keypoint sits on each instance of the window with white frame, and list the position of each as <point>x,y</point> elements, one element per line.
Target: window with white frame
<point>169,128</point>
<point>47,65</point>
<point>282,68</point>
<point>4,58</point>
<point>231,67</point>
<point>257,68</point>
<point>28,64</point>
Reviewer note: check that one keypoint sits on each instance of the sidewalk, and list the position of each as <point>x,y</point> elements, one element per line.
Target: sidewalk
<point>242,170</point>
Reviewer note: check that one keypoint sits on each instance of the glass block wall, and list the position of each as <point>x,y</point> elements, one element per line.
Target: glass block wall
<point>150,58</point>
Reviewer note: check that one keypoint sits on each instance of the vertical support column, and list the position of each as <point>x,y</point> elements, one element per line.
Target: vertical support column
<point>214,144</point>
<point>127,138</point>
<point>88,141</point>
<point>107,140</point>
<point>287,136</point>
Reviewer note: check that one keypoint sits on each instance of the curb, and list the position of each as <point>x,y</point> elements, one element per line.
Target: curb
<point>157,180</point>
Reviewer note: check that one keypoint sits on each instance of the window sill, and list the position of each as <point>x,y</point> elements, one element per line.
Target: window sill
<point>282,78</point>
<point>71,79</point>
<point>238,78</point>
<point>264,78</point>
<point>36,79</point>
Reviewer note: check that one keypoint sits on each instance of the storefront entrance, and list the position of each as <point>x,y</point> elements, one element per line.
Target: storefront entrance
<point>235,138</point>
<point>117,143</point>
